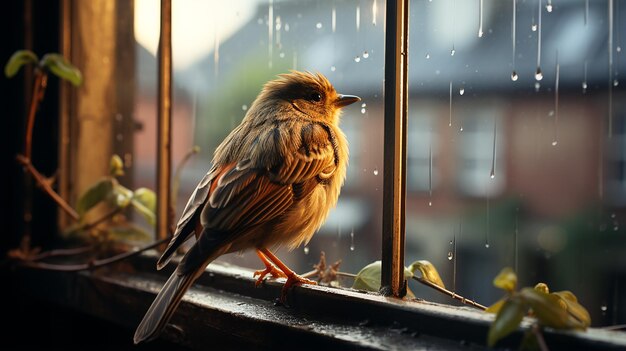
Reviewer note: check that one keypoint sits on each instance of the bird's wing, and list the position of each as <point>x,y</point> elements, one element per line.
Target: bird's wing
<point>242,196</point>
<point>187,222</point>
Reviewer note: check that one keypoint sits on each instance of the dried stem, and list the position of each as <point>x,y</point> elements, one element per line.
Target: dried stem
<point>539,336</point>
<point>450,293</point>
<point>93,264</point>
<point>43,183</point>
<point>62,252</point>
<point>39,88</point>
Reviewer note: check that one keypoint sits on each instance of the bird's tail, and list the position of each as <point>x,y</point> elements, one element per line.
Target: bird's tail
<point>163,306</point>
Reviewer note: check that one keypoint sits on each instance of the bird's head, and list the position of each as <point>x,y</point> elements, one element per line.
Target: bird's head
<point>310,94</point>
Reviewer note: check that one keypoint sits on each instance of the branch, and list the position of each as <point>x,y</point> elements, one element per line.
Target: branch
<point>41,181</point>
<point>39,87</point>
<point>450,293</point>
<point>62,252</point>
<point>93,264</point>
<point>540,340</point>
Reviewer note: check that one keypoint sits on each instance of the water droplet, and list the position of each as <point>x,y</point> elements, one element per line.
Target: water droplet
<point>333,68</point>
<point>363,111</point>
<point>452,52</point>
<point>461,129</point>
<point>318,25</point>
<point>514,76</point>
<point>286,27</point>
<point>306,250</point>
<point>427,56</point>
<point>375,171</point>
<point>615,228</point>
<point>357,59</point>
<point>551,113</point>
<point>363,105</point>
<point>492,176</point>
<point>450,256</point>
<point>244,107</point>
<point>451,242</point>
<point>603,308</point>
<point>549,7</point>
<point>461,91</point>
<point>352,240</point>
<point>615,82</point>
<point>618,49</point>
<point>430,203</point>
<point>533,27</point>
<point>538,74</point>
<point>537,86</point>
<point>480,33</point>
<point>486,245</point>
<point>281,55</point>
<point>554,143</point>
<point>259,21</point>
<point>584,87</point>
<point>366,54</point>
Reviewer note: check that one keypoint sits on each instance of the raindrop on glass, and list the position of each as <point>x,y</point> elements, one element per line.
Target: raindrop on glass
<point>461,129</point>
<point>450,256</point>
<point>603,308</point>
<point>538,74</point>
<point>451,242</point>
<point>306,250</point>
<point>486,245</point>
<point>427,56</point>
<point>363,111</point>
<point>584,87</point>
<point>618,49</point>
<point>430,203</point>
<point>514,76</point>
<point>286,27</point>
<point>375,171</point>
<point>352,240</point>
<point>244,107</point>
<point>357,59</point>
<point>533,27</point>
<point>366,54</point>
<point>615,82</point>
<point>549,7</point>
<point>452,52</point>
<point>281,55</point>
<point>461,91</point>
<point>554,143</point>
<point>318,25</point>
<point>537,86</point>
<point>492,176</point>
<point>333,68</point>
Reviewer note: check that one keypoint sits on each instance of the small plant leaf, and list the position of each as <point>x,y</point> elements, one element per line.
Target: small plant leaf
<point>98,192</point>
<point>62,68</point>
<point>116,166</point>
<point>428,270</point>
<point>369,277</point>
<point>506,280</point>
<point>496,307</point>
<point>576,310</point>
<point>144,202</point>
<point>129,232</point>
<point>17,60</point>
<point>507,320</point>
<point>542,287</point>
<point>121,196</point>
<point>548,310</point>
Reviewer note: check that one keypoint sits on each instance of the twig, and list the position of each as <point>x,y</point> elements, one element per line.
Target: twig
<point>62,252</point>
<point>450,293</point>
<point>41,181</point>
<point>105,217</point>
<point>539,336</point>
<point>41,81</point>
<point>93,264</point>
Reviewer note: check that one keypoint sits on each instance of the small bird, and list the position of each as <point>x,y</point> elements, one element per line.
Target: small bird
<point>273,181</point>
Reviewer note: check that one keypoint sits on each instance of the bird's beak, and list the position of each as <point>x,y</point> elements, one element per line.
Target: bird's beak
<point>345,100</point>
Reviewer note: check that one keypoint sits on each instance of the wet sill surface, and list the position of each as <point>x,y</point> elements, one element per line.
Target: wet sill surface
<point>224,309</point>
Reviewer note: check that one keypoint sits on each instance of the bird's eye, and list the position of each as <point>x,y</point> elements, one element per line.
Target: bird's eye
<point>316,97</point>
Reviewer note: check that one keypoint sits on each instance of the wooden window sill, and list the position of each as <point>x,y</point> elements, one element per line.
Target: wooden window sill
<point>225,309</point>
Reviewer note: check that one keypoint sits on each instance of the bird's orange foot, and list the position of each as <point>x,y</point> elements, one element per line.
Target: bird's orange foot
<point>292,280</point>
<point>271,270</point>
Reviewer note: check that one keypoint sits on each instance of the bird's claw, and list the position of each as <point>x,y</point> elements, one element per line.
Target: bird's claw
<point>291,281</point>
<point>271,270</point>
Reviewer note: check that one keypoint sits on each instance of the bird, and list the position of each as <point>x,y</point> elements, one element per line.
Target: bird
<point>272,183</point>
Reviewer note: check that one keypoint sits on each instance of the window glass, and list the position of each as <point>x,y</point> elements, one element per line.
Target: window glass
<point>528,153</point>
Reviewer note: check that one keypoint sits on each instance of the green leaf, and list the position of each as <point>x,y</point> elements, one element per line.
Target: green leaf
<point>496,307</point>
<point>576,310</point>
<point>100,191</point>
<point>121,196</point>
<point>507,320</point>
<point>62,68</point>
<point>116,166</point>
<point>369,277</point>
<point>129,232</point>
<point>17,60</point>
<point>144,202</point>
<point>429,272</point>
<point>506,279</point>
<point>547,308</point>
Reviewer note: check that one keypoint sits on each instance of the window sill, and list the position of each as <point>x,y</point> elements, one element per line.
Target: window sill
<point>225,309</point>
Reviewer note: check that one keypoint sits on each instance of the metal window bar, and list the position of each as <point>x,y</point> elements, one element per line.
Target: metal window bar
<point>164,133</point>
<point>394,183</point>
